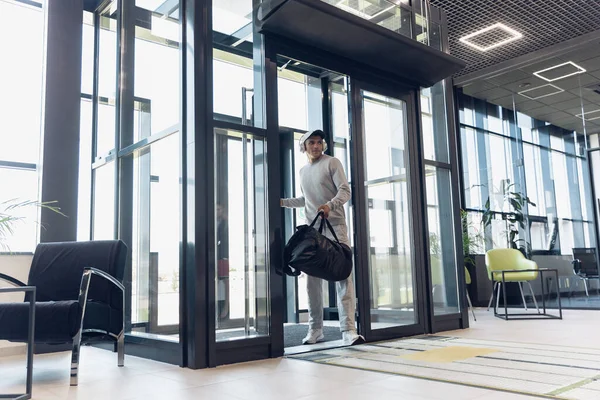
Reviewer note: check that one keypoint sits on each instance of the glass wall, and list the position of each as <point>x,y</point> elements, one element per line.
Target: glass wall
<point>391,262</point>
<point>440,208</point>
<point>20,119</point>
<point>136,169</point>
<point>503,151</point>
<point>242,273</point>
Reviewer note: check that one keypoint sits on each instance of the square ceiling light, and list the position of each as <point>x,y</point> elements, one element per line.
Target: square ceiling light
<point>595,115</point>
<point>541,91</point>
<point>491,37</point>
<point>559,71</point>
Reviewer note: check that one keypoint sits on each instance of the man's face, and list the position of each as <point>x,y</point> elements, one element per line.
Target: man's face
<point>314,147</point>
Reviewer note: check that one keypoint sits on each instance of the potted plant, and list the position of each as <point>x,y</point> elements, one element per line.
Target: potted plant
<point>9,217</point>
<point>515,219</point>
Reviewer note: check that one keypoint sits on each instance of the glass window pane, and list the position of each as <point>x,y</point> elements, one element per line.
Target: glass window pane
<point>385,13</point>
<point>339,111</point>
<point>87,59</point>
<point>104,202</point>
<point>84,188</point>
<point>231,74</point>
<point>242,273</point>
<point>22,48</point>
<point>391,268</point>
<point>441,241</point>
<point>107,85</point>
<point>157,82</point>
<point>293,101</point>
<point>18,186</point>
<point>434,123</point>
<point>230,17</point>
<point>156,235</point>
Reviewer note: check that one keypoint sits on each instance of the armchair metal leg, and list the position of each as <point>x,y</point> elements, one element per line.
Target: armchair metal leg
<point>121,349</point>
<point>492,296</point>
<point>586,288</point>
<point>522,294</point>
<point>471,306</point>
<point>75,359</point>
<point>533,297</point>
<point>498,296</point>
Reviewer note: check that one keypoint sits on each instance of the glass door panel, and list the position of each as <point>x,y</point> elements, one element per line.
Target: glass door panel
<point>242,278</point>
<point>388,201</point>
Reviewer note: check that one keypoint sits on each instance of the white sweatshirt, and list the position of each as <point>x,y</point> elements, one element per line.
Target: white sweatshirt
<point>322,182</point>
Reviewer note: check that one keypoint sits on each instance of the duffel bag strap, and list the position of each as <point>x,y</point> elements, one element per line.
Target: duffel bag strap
<point>331,230</point>
<point>320,214</point>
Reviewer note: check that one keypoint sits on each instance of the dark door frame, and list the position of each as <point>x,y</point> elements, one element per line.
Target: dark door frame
<point>362,248</point>
<point>378,83</point>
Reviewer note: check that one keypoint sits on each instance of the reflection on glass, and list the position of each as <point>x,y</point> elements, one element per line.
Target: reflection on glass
<point>156,238</point>
<point>434,123</point>
<point>300,96</point>
<point>22,30</point>
<point>107,82</point>
<point>104,202</point>
<point>156,79</point>
<point>595,167</point>
<point>241,267</point>
<point>441,241</point>
<point>233,18</point>
<point>391,266</point>
<point>381,12</point>
<point>20,185</point>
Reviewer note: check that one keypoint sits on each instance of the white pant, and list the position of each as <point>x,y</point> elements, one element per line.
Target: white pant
<point>346,301</point>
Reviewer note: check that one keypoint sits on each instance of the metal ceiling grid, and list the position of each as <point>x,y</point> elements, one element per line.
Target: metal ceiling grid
<point>543,23</point>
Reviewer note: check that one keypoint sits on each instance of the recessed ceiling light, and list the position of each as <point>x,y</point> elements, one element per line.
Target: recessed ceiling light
<point>585,115</point>
<point>540,91</point>
<point>486,42</point>
<point>578,70</point>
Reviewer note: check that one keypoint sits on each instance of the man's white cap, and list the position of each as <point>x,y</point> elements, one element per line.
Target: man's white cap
<point>305,137</point>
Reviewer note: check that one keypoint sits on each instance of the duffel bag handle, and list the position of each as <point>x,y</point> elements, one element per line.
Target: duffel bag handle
<point>331,230</point>
<point>322,225</point>
<point>320,214</point>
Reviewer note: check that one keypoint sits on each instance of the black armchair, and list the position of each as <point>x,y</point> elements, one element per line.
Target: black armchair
<point>585,264</point>
<point>69,308</point>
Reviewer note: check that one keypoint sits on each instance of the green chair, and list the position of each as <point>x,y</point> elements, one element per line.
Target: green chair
<point>513,260</point>
<point>468,282</point>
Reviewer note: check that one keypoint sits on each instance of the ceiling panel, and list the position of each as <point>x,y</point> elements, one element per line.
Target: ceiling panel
<point>508,77</point>
<point>491,94</point>
<point>575,81</point>
<point>556,115</point>
<point>530,82</point>
<point>530,69</point>
<point>592,64</point>
<point>477,87</point>
<point>567,105</point>
<point>557,98</point>
<point>542,24</point>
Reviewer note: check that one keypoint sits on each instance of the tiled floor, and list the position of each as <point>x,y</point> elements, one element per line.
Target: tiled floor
<point>281,379</point>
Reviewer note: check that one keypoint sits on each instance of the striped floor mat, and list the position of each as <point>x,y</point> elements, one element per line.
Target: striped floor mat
<point>555,372</point>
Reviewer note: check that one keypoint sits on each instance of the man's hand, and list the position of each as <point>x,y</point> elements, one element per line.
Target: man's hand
<point>325,208</point>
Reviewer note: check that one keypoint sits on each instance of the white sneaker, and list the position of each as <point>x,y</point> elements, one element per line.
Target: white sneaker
<point>351,338</point>
<point>313,336</point>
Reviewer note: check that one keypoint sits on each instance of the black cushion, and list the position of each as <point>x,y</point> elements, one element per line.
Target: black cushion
<point>55,321</point>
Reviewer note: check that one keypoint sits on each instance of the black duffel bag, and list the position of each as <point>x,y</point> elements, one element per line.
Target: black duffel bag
<point>309,251</point>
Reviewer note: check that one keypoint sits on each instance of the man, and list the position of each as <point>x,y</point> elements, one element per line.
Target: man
<point>325,188</point>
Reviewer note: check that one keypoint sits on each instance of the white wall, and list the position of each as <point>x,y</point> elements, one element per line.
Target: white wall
<point>16,266</point>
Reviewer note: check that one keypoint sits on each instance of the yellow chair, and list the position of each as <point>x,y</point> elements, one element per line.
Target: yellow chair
<point>468,282</point>
<point>513,260</point>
